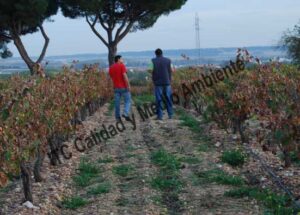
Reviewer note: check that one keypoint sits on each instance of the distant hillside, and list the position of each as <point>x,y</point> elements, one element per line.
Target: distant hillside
<point>141,59</point>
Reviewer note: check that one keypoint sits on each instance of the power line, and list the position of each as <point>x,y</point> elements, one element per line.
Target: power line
<point>198,44</point>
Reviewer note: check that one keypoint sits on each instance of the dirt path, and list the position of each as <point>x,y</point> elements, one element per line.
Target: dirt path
<point>140,186</point>
<point>159,167</point>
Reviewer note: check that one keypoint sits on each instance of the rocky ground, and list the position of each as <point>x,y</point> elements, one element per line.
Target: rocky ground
<point>159,167</point>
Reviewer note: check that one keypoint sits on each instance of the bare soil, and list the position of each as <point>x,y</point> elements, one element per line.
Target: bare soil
<point>133,194</point>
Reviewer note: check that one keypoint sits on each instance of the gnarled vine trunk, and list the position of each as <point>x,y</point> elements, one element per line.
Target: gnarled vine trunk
<point>38,165</point>
<point>26,180</point>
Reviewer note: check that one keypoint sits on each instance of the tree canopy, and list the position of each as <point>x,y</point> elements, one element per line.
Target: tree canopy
<point>21,17</point>
<point>118,17</point>
<point>4,52</point>
<point>291,40</point>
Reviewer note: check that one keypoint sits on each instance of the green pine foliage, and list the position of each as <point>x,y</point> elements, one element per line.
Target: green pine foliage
<point>291,40</point>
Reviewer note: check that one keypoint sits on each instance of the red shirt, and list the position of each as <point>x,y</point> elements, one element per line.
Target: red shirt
<point>116,72</point>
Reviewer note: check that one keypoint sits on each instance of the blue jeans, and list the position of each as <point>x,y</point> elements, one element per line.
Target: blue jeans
<point>127,98</point>
<point>163,95</point>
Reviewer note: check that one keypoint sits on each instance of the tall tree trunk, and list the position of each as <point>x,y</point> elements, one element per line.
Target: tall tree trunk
<point>19,44</point>
<point>46,43</point>
<point>112,51</point>
<point>32,66</point>
<point>26,179</point>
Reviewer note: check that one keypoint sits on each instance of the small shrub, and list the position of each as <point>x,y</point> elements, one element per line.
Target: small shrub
<point>233,158</point>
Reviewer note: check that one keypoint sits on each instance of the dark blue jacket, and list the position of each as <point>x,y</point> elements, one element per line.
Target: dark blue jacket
<point>161,71</point>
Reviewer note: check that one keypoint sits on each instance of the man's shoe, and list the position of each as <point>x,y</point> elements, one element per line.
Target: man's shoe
<point>119,119</point>
<point>127,118</point>
<point>158,119</point>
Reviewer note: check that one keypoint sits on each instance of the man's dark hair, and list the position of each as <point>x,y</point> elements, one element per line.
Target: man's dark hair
<point>117,58</point>
<point>158,52</point>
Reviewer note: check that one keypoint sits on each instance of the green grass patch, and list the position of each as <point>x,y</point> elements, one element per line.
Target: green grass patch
<point>87,167</point>
<point>194,125</point>
<point>243,192</point>
<point>275,203</point>
<point>167,182</point>
<point>142,99</point>
<point>234,158</point>
<point>168,178</point>
<point>106,160</point>
<point>165,160</point>
<point>87,171</point>
<point>157,200</point>
<point>189,121</point>
<point>219,177</point>
<point>100,189</point>
<point>123,170</point>
<point>203,147</point>
<point>74,202</point>
<point>82,180</point>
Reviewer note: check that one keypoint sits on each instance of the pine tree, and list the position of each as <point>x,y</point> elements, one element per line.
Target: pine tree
<point>22,17</point>
<point>118,17</point>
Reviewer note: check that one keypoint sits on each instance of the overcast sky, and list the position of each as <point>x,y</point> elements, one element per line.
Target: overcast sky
<point>223,23</point>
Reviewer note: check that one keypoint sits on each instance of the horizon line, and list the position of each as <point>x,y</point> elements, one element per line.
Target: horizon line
<point>166,50</point>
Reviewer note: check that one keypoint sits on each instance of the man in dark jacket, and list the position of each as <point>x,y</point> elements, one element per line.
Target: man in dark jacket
<point>161,69</point>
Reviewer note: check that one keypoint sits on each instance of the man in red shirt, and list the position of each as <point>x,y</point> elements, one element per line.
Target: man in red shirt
<point>118,74</point>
